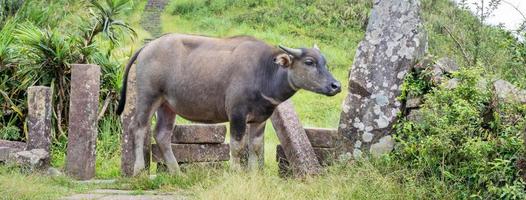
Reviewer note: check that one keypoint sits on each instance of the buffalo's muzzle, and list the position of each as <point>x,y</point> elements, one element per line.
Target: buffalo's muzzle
<point>334,88</point>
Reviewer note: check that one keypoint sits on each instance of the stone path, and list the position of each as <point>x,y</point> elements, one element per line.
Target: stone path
<point>151,18</point>
<point>124,195</point>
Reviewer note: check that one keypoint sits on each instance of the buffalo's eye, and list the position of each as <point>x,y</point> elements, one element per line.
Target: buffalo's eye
<point>309,62</point>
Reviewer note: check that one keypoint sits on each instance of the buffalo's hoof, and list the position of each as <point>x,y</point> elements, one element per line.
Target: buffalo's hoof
<point>138,168</point>
<point>174,169</point>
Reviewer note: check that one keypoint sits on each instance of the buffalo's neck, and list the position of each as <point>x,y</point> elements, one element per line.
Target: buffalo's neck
<point>275,84</point>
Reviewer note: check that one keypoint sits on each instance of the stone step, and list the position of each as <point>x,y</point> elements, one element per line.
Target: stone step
<point>199,134</point>
<point>7,147</point>
<point>12,144</point>
<point>185,153</point>
<point>322,137</point>
<point>162,168</point>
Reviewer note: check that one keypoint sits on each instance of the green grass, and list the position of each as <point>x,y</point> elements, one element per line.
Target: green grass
<point>16,185</point>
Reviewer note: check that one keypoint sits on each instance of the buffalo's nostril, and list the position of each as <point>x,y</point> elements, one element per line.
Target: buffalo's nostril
<point>335,85</point>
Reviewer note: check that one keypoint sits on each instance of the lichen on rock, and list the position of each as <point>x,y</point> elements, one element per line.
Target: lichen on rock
<point>393,42</point>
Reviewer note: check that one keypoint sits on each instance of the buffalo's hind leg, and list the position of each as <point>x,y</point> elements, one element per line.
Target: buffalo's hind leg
<point>146,105</point>
<point>163,136</point>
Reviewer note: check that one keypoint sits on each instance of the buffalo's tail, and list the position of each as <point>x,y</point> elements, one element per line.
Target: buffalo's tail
<point>122,100</point>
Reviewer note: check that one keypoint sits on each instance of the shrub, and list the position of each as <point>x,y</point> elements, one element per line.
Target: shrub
<point>453,143</point>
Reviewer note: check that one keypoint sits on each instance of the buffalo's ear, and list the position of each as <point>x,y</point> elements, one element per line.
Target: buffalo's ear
<point>283,59</point>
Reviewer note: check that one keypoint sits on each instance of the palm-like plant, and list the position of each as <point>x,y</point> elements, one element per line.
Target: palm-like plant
<point>11,104</point>
<point>104,21</point>
<point>48,54</point>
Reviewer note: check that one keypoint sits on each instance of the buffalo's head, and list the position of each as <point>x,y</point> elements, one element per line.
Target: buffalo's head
<point>307,70</point>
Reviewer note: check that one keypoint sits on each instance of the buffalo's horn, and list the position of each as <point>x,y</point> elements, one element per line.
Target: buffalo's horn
<point>291,51</point>
<point>316,47</point>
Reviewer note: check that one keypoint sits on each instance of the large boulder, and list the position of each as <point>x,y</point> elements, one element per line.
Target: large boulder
<point>509,93</point>
<point>442,68</point>
<point>30,160</point>
<point>393,43</point>
<point>9,147</point>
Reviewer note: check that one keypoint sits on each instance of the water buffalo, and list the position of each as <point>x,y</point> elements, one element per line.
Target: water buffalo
<point>239,80</point>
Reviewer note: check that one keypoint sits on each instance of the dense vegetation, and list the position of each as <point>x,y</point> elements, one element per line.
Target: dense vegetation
<point>465,146</point>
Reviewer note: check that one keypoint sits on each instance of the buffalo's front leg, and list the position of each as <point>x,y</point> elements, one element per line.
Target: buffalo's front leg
<point>163,136</point>
<point>238,141</point>
<point>256,153</point>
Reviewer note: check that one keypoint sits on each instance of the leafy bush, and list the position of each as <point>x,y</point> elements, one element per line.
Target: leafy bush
<point>452,142</point>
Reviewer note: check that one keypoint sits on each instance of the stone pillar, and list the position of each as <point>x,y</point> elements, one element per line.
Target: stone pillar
<point>39,119</point>
<point>294,141</point>
<point>394,41</point>
<point>127,138</point>
<point>83,111</point>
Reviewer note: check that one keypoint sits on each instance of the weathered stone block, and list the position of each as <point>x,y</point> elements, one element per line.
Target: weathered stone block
<point>13,144</point>
<point>199,134</point>
<point>394,41</point>
<point>161,168</point>
<point>413,102</point>
<point>294,140</point>
<point>83,112</point>
<point>39,118</point>
<point>8,147</point>
<point>185,153</point>
<point>509,93</point>
<point>127,137</point>
<point>30,160</point>
<point>322,137</point>
<point>4,153</point>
